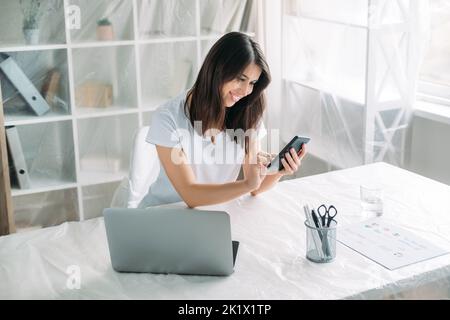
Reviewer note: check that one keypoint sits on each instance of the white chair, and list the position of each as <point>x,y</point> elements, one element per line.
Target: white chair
<point>143,171</point>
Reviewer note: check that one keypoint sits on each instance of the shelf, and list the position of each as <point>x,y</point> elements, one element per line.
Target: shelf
<point>12,48</point>
<point>89,178</point>
<point>39,67</point>
<point>21,119</point>
<point>101,44</point>
<point>44,186</point>
<point>166,39</point>
<point>84,113</point>
<point>105,76</point>
<point>48,154</point>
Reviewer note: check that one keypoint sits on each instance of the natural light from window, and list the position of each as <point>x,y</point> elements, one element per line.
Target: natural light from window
<point>435,70</point>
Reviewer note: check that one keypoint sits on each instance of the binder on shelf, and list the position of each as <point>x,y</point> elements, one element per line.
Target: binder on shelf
<point>25,87</point>
<point>19,165</point>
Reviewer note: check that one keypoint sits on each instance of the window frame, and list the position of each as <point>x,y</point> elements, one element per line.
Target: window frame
<point>433,92</point>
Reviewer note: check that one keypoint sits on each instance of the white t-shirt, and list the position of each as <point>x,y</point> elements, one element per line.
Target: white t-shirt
<point>214,163</point>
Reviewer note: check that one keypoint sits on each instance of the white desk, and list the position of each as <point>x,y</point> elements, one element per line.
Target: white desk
<point>271,261</point>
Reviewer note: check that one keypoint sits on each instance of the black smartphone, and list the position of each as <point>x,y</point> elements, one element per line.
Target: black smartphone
<point>296,143</point>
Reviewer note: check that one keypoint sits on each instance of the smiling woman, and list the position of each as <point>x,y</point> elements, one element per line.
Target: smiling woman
<point>234,74</point>
<point>242,86</point>
<point>205,135</point>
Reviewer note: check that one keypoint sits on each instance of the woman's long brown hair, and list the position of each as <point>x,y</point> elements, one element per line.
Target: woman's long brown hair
<point>225,61</point>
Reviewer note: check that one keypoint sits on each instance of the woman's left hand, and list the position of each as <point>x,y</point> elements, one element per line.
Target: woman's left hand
<point>292,161</point>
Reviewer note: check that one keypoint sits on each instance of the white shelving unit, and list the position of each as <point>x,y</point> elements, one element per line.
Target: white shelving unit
<point>76,154</point>
<point>347,67</point>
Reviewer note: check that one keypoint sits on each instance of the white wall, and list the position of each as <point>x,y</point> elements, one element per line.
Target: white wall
<point>430,149</point>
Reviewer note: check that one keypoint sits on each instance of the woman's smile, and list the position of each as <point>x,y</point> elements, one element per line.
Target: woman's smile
<point>236,89</point>
<point>235,97</point>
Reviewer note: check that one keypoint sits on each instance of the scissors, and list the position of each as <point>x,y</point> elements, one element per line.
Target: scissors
<point>325,215</point>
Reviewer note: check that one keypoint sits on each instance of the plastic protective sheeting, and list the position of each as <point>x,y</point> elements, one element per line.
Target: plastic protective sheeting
<point>49,162</point>
<point>25,22</point>
<point>167,70</point>
<point>221,16</point>
<point>45,209</point>
<point>47,72</point>
<point>43,150</point>
<point>154,21</point>
<point>144,169</point>
<point>270,264</point>
<point>104,79</point>
<point>103,20</point>
<point>350,70</point>
<point>436,68</point>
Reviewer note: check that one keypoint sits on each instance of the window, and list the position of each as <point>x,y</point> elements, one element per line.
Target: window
<point>434,85</point>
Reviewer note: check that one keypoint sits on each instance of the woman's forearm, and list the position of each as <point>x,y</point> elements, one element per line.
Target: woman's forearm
<point>268,182</point>
<point>208,194</point>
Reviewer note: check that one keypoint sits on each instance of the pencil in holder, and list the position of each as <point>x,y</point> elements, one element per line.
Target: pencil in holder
<point>321,242</point>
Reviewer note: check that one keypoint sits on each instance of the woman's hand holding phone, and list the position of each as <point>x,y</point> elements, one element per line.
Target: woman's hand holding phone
<point>292,161</point>
<point>288,161</point>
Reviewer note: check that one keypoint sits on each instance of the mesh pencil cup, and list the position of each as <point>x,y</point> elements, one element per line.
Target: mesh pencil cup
<point>321,242</point>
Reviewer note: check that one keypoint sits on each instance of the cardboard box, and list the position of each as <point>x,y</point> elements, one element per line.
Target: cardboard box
<point>51,86</point>
<point>92,94</point>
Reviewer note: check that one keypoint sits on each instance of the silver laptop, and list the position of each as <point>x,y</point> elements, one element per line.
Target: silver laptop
<point>167,240</point>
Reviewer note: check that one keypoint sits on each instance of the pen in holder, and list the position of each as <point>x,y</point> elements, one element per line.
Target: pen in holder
<point>320,234</point>
<point>321,242</point>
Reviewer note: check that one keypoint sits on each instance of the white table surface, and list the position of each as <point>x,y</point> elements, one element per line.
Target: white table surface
<point>271,261</point>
